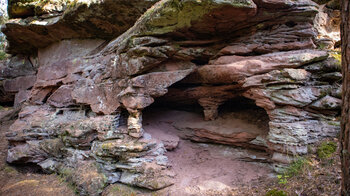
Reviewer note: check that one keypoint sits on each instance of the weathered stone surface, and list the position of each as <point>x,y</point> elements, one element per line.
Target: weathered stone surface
<point>151,178</point>
<point>327,103</point>
<point>327,23</point>
<point>298,134</point>
<point>32,33</point>
<point>87,178</point>
<point>19,83</point>
<point>16,76</point>
<point>299,97</point>
<point>21,97</point>
<point>229,69</point>
<point>28,152</point>
<point>101,98</point>
<point>61,97</point>
<point>19,65</point>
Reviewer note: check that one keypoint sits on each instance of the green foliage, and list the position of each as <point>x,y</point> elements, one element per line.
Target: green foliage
<point>282,179</point>
<point>297,167</point>
<point>326,149</point>
<point>3,54</point>
<point>275,192</point>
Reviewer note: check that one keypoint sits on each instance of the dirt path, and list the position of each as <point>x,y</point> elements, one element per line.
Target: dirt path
<point>26,181</point>
<point>221,166</point>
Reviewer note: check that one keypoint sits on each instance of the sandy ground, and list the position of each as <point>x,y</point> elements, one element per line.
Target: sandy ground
<point>202,167</point>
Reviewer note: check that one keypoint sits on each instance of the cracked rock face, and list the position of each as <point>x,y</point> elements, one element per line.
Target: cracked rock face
<point>86,76</point>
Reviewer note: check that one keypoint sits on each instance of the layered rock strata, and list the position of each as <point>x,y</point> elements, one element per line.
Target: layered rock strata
<point>83,98</point>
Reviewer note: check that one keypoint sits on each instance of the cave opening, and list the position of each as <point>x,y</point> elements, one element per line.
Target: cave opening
<point>238,122</point>
<point>227,151</point>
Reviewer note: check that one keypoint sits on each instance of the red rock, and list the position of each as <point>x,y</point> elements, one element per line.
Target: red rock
<point>228,69</point>
<point>101,97</point>
<point>261,99</point>
<point>21,97</point>
<point>37,96</point>
<point>62,97</point>
<point>19,83</point>
<point>18,65</point>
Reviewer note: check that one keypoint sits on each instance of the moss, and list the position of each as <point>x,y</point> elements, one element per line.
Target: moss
<point>326,149</point>
<point>336,55</point>
<point>107,146</point>
<point>333,123</point>
<point>168,16</point>
<point>275,192</point>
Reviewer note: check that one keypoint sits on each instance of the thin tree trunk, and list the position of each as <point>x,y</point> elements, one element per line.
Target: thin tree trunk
<point>345,123</point>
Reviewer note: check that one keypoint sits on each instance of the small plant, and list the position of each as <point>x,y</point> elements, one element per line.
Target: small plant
<point>282,179</point>
<point>275,192</point>
<point>326,149</point>
<point>293,169</point>
<point>297,166</point>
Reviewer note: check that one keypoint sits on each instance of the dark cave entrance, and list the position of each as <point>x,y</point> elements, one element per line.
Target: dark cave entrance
<point>239,122</point>
<point>223,151</point>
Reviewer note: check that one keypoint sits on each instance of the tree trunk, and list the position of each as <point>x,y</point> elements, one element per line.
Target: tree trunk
<point>345,123</point>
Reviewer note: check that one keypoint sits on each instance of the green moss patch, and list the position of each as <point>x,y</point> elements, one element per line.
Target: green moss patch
<point>168,16</point>
<point>326,149</point>
<point>275,192</point>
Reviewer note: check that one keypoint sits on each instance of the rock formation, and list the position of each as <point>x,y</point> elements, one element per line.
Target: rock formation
<point>83,72</point>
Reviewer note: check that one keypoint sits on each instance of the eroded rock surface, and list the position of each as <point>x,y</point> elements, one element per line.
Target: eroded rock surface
<point>89,76</point>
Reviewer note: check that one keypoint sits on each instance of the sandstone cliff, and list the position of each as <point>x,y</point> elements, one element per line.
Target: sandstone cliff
<point>84,71</point>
